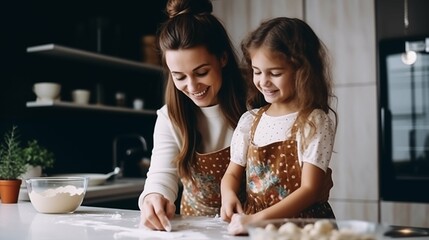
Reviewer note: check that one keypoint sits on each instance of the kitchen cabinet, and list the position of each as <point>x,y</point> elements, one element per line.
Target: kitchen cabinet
<point>58,51</point>
<point>90,107</point>
<point>145,82</point>
<point>81,45</point>
<point>67,52</point>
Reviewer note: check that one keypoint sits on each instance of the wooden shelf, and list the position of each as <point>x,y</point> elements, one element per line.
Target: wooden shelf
<point>81,55</point>
<point>94,107</point>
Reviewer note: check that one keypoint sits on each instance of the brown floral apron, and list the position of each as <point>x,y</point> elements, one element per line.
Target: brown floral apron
<point>203,198</point>
<point>273,172</point>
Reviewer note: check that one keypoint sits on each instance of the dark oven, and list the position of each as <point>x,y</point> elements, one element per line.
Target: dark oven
<point>404,119</point>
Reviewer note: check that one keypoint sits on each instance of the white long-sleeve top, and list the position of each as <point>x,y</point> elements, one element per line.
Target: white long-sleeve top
<point>162,176</point>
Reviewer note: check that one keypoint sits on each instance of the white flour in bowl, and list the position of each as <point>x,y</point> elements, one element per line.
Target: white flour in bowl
<point>57,200</point>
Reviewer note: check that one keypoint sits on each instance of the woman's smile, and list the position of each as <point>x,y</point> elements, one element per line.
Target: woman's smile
<point>201,93</point>
<point>197,73</point>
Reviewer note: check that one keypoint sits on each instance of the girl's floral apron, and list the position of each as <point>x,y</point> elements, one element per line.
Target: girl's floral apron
<point>273,171</point>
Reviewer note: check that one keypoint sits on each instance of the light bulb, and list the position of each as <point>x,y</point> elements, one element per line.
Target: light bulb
<point>409,57</point>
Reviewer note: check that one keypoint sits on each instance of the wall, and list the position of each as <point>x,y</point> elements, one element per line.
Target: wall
<point>241,16</point>
<point>348,29</point>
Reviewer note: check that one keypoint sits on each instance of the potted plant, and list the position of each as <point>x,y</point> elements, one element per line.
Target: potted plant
<point>37,158</point>
<point>12,165</point>
<point>15,162</point>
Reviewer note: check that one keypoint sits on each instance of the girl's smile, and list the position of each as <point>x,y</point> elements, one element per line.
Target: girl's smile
<point>274,78</point>
<point>268,92</point>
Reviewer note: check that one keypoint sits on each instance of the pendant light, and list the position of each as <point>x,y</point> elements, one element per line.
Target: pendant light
<point>409,57</point>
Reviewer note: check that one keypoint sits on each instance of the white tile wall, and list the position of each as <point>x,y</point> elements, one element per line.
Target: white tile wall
<point>354,163</point>
<point>358,210</point>
<point>348,29</point>
<point>243,16</point>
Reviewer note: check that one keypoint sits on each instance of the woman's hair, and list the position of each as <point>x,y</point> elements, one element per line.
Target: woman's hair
<point>191,24</point>
<point>294,41</point>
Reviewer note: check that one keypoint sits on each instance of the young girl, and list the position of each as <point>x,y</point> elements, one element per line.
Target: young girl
<point>284,145</point>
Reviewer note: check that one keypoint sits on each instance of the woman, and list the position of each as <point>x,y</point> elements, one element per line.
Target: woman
<point>204,101</point>
<point>193,131</point>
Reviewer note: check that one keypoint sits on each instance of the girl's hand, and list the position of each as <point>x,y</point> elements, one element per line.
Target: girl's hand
<point>230,205</point>
<point>155,212</point>
<point>326,186</point>
<point>237,224</point>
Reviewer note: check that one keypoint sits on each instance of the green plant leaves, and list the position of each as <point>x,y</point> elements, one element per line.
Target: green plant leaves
<point>12,163</point>
<point>14,158</point>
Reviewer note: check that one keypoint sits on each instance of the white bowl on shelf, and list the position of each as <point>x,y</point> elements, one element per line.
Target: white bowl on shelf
<point>47,91</point>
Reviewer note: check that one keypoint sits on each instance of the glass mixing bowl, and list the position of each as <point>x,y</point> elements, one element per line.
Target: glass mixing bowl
<point>56,194</point>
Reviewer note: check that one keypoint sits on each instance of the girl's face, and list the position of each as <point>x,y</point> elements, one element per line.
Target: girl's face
<point>196,73</point>
<point>274,77</point>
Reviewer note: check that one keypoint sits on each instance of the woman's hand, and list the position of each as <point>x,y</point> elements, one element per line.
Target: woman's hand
<point>155,212</point>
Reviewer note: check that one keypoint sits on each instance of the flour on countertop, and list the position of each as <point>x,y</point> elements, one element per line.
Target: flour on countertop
<point>184,228</point>
<point>116,216</point>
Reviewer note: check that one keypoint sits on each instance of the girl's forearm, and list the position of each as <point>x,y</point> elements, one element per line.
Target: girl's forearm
<point>296,202</point>
<point>290,206</point>
<point>231,180</point>
<point>229,184</point>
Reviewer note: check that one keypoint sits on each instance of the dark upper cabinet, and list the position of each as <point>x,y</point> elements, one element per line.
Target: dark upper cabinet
<point>102,28</point>
<point>96,45</point>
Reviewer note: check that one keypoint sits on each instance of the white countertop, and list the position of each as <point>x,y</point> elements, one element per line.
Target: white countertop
<point>21,221</point>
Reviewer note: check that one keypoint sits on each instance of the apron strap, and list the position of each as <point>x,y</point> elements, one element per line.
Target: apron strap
<point>256,120</point>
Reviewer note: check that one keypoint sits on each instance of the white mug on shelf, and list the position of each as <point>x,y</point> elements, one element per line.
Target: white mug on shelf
<point>81,96</point>
<point>138,104</point>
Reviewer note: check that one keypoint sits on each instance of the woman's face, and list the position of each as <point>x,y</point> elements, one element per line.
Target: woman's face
<point>274,77</point>
<point>196,73</point>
